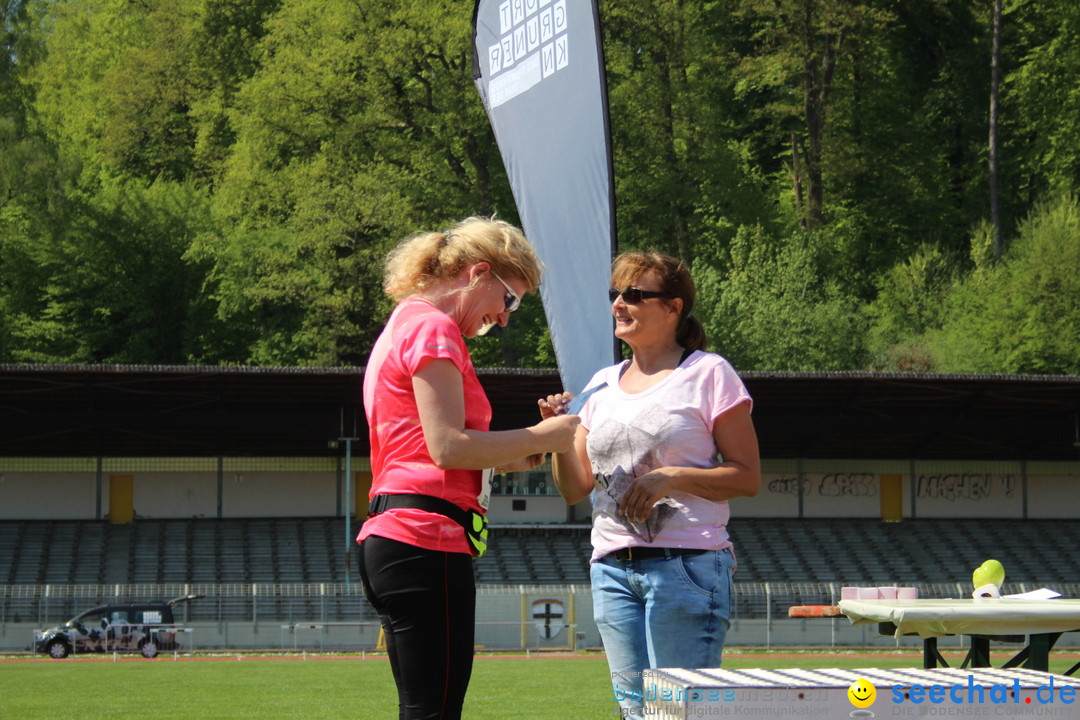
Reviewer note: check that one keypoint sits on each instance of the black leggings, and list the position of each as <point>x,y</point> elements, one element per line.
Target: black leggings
<point>426,601</point>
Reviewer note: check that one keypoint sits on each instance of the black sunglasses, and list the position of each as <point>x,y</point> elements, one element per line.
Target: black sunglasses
<point>511,300</point>
<point>633,295</point>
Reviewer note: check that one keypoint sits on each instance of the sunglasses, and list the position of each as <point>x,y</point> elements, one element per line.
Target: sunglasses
<point>633,295</point>
<point>510,299</point>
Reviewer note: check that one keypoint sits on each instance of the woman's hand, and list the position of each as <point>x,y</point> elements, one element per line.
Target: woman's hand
<point>554,405</point>
<point>523,465</point>
<point>558,432</point>
<point>645,491</point>
<point>738,475</point>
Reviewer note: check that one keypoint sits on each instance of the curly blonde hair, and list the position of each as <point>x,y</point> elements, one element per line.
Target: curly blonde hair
<point>425,259</point>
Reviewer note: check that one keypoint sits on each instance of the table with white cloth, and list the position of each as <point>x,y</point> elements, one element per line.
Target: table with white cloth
<point>1041,622</point>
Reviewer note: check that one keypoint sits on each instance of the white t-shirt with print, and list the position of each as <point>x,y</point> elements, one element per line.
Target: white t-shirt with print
<point>668,424</point>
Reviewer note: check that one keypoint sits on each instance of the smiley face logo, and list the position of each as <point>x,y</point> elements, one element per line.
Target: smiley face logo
<point>861,693</point>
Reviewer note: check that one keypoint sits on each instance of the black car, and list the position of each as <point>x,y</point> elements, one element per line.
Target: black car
<point>147,628</point>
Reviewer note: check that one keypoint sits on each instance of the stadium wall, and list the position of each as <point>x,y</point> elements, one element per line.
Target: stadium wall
<point>80,488</point>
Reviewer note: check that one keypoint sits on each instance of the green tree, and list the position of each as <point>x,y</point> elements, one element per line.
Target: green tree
<point>147,93</point>
<point>907,306</point>
<point>21,44</point>
<point>360,126</point>
<point>797,48</point>
<point>86,42</point>
<point>1040,102</point>
<point>115,284</point>
<point>770,308</point>
<point>289,143</point>
<point>32,180</point>
<point>905,161</point>
<point>146,90</point>
<point>226,54</point>
<point>1020,315</point>
<point>680,157</point>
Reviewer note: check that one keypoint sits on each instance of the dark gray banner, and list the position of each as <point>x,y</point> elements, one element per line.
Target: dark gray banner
<point>539,69</point>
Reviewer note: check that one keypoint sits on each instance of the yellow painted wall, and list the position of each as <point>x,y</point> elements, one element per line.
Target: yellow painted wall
<point>361,489</point>
<point>892,500</point>
<point>121,499</point>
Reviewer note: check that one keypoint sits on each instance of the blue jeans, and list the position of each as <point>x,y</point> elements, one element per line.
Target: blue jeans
<point>666,612</point>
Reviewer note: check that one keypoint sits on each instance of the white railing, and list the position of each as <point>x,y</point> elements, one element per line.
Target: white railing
<point>337,617</point>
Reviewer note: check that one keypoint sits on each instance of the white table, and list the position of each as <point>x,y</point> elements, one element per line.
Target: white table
<point>982,619</point>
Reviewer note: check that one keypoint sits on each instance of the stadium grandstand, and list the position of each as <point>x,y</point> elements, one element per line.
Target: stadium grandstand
<point>244,485</point>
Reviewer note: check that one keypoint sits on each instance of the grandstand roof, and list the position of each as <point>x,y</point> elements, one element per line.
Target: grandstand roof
<point>148,411</point>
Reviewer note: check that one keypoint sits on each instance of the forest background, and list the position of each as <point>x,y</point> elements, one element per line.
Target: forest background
<point>857,184</point>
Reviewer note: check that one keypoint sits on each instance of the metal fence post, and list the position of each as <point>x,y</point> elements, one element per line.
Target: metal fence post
<point>768,616</point>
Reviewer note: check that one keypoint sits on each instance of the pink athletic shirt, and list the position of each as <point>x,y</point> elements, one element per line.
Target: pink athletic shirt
<point>416,333</point>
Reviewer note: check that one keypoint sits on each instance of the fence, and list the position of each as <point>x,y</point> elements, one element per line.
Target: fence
<point>335,617</point>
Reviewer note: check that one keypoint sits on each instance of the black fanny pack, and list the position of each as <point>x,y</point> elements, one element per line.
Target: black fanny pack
<point>474,524</point>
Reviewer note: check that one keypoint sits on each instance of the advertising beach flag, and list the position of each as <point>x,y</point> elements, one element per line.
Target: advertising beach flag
<point>539,68</point>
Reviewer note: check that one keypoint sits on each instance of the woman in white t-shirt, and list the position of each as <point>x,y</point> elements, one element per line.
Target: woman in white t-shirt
<point>665,441</point>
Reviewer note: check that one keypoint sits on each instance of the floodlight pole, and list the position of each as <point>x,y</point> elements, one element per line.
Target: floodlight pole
<point>348,508</point>
<point>348,495</point>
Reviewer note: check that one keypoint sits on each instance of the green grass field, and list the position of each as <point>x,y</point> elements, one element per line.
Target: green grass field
<point>277,688</point>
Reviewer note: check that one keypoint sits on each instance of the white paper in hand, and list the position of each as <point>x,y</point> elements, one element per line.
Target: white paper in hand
<point>574,408</point>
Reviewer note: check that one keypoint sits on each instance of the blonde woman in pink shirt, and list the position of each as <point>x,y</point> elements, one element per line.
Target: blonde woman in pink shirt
<point>430,444</point>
